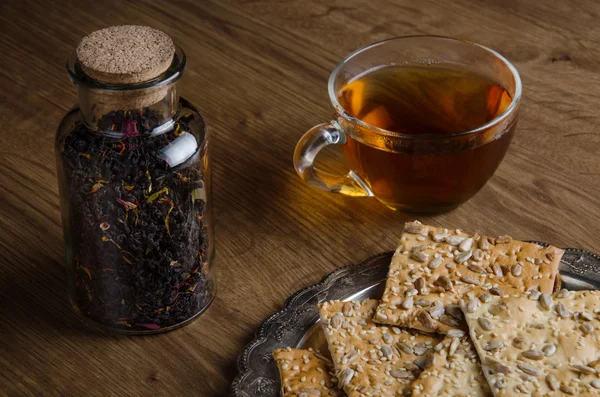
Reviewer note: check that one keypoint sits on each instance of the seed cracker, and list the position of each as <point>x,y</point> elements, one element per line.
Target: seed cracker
<point>305,373</point>
<point>456,372</point>
<point>539,345</point>
<point>433,268</point>
<point>372,360</point>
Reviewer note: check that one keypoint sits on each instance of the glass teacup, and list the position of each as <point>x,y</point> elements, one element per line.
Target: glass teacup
<point>428,171</point>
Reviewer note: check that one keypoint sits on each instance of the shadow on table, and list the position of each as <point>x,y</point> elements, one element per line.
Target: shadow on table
<point>35,299</point>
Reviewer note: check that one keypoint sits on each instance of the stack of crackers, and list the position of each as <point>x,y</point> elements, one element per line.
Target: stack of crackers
<point>461,315</point>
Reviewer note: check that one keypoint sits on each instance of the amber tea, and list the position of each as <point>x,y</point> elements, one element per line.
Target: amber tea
<point>419,101</point>
<point>424,121</point>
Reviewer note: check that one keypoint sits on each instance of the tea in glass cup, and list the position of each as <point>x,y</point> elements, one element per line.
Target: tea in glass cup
<point>423,121</point>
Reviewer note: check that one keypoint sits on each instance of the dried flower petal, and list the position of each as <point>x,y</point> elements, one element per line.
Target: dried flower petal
<point>154,196</point>
<point>85,269</point>
<point>128,205</point>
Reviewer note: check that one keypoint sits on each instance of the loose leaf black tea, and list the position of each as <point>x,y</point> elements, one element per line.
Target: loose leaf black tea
<point>137,234</point>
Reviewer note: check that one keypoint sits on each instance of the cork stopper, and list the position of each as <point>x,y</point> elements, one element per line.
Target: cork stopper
<point>126,54</point>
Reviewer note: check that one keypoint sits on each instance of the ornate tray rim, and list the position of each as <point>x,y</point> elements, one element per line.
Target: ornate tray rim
<point>261,335</point>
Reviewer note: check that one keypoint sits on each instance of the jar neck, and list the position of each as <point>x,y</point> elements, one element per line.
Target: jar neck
<point>124,113</point>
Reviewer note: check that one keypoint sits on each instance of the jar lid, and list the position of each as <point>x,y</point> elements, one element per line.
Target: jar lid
<point>125,54</point>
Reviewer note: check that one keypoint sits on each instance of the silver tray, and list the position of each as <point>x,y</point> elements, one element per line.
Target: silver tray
<point>296,324</point>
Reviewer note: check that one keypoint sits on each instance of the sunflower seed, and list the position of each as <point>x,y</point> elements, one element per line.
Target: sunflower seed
<point>345,377</point>
<point>308,392</point>
<point>422,303</point>
<point>546,301</point>
<point>595,383</point>
<point>463,257</point>
<point>436,311</point>
<point>401,374</point>
<point>478,255</point>
<point>408,303</point>
<point>529,369</point>
<point>497,270</point>
<point>419,256</point>
<point>454,240</point>
<point>516,270</point>
<point>496,291</point>
<point>335,322</point>
<point>456,333</point>
<point>503,239</point>
<point>473,305</point>
<point>411,292</point>
<point>420,362</point>
<point>475,268</point>
<point>519,342</point>
<point>347,309</point>
<point>500,384</point>
<point>552,382</point>
<point>584,369</point>
<point>562,311</point>
<point>420,284</point>
<point>387,338</point>
<point>494,345</point>
<point>419,247</point>
<point>485,323</point>
<point>350,357</point>
<point>444,282</point>
<point>567,390</point>
<point>534,295</point>
<point>587,328</point>
<point>496,367</point>
<point>439,237</point>
<point>484,244</point>
<point>549,349</point>
<point>387,352</point>
<point>563,293</point>
<point>454,311</point>
<point>453,347</point>
<point>449,321</point>
<point>380,316</point>
<point>466,245</point>
<point>521,389</point>
<point>424,362</point>
<point>409,366</point>
<point>497,309</point>
<point>586,316</point>
<point>436,262</point>
<point>533,354</point>
<point>414,228</point>
<point>405,348</point>
<point>429,359</point>
<point>485,297</point>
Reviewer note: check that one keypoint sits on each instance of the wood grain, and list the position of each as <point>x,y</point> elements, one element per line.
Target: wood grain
<point>258,70</point>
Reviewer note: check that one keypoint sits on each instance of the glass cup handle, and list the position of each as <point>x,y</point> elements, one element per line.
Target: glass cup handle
<point>306,151</point>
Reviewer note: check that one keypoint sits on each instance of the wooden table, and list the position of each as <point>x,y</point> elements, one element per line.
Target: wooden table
<point>258,71</point>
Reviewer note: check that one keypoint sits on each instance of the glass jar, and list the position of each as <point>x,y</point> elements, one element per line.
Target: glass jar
<point>135,191</point>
